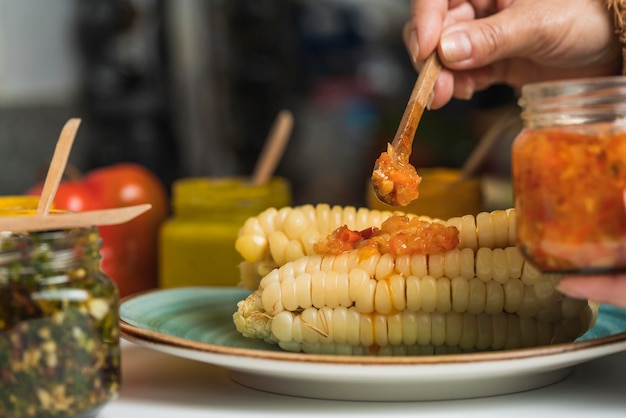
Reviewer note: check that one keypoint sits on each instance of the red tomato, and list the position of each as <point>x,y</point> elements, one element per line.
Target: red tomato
<point>129,251</point>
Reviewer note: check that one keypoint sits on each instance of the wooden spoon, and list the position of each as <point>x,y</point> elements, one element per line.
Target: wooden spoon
<point>273,149</point>
<point>57,165</point>
<point>394,179</point>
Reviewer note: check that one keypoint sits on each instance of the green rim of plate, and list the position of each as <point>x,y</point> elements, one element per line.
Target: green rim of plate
<point>204,315</point>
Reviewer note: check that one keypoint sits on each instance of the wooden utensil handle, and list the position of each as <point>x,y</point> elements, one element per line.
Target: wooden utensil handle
<point>25,223</point>
<point>418,101</point>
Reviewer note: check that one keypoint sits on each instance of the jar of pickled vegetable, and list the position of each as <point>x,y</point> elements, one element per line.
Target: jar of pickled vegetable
<point>197,244</point>
<point>569,175</point>
<point>59,338</point>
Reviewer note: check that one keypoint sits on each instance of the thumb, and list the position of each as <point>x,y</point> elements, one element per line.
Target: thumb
<point>476,43</point>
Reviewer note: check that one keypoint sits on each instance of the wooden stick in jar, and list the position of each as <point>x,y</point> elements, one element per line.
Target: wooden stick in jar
<point>274,148</point>
<point>65,220</point>
<point>57,165</point>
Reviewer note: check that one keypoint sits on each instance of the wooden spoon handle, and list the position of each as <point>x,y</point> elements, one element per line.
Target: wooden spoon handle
<point>274,148</point>
<point>64,220</point>
<point>486,142</point>
<point>418,101</point>
<point>57,165</point>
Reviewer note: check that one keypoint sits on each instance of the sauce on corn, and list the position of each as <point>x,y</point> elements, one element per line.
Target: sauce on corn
<point>397,235</point>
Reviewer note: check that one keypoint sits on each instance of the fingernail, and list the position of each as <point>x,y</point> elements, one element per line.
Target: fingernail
<point>565,287</point>
<point>466,93</point>
<point>430,100</point>
<point>561,288</point>
<point>413,46</point>
<point>465,89</point>
<point>456,45</point>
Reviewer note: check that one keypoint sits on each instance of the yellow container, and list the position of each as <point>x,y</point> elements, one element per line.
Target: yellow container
<point>442,195</point>
<point>16,204</point>
<point>197,244</point>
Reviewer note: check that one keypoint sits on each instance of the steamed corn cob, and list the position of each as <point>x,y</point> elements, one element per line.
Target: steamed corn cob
<point>275,237</point>
<point>478,296</point>
<point>345,305</point>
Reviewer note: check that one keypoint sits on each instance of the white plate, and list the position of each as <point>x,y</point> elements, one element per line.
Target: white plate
<point>196,323</point>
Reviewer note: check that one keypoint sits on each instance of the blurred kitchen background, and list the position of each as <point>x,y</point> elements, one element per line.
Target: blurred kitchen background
<point>191,88</point>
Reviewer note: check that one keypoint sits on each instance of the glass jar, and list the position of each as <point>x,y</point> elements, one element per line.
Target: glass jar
<point>569,175</point>
<point>197,244</point>
<point>59,337</point>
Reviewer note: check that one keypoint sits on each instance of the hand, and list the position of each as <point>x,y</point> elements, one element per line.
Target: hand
<point>486,42</point>
<point>603,289</point>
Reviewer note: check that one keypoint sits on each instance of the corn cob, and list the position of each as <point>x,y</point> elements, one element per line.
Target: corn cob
<point>479,296</point>
<point>275,237</point>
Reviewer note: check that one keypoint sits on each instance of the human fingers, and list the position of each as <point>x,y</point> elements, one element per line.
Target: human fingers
<point>420,38</point>
<point>476,43</point>
<point>409,36</point>
<point>427,18</point>
<point>466,83</point>
<point>459,84</point>
<point>603,289</point>
<point>549,34</point>
<point>443,90</point>
<point>485,8</point>
<point>444,85</point>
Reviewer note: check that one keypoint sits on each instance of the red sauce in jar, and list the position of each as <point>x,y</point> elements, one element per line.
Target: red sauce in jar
<point>569,196</point>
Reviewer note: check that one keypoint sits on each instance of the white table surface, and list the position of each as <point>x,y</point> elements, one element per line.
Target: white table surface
<point>155,384</point>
